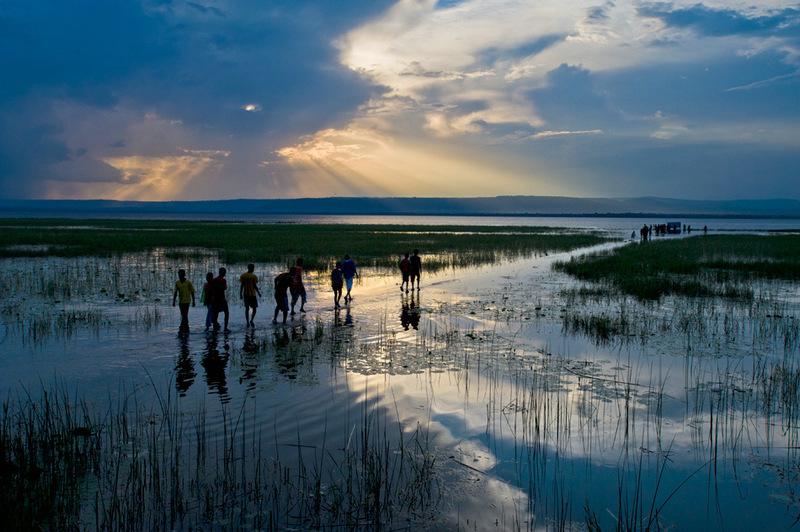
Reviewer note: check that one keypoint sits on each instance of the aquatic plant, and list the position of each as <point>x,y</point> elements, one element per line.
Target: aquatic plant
<point>715,265</point>
<point>319,244</point>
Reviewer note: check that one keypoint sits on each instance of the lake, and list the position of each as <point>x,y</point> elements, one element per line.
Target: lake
<point>509,414</point>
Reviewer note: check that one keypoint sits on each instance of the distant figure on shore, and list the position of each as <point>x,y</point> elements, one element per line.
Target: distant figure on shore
<point>633,235</point>
<point>297,289</point>
<point>416,268</point>
<point>249,293</point>
<point>282,283</point>
<point>184,294</point>
<point>219,299</point>
<point>350,271</point>
<point>705,229</point>
<point>207,299</point>
<point>643,233</point>
<point>405,271</point>
<point>337,282</point>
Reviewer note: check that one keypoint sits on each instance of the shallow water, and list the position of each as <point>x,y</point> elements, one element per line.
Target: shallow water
<point>530,423</point>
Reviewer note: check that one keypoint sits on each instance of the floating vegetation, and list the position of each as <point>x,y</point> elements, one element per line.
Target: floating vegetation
<point>705,266</point>
<point>319,244</point>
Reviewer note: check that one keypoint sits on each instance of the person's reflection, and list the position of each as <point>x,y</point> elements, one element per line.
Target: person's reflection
<point>285,357</point>
<point>299,332</point>
<point>249,360</point>
<point>409,313</point>
<point>184,368</point>
<point>214,364</point>
<point>414,311</point>
<point>405,318</point>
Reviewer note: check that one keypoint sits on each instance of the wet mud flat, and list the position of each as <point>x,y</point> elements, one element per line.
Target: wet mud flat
<point>508,395</point>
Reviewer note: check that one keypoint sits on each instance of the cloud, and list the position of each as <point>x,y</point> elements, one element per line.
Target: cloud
<point>204,9</point>
<point>723,22</point>
<point>551,134</point>
<point>228,98</point>
<point>599,13</point>
<point>191,64</point>
<point>764,82</point>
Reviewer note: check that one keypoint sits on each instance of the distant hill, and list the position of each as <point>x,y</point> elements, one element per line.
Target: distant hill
<point>498,206</point>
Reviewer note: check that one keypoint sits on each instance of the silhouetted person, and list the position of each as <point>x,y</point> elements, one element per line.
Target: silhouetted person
<point>184,295</point>
<point>337,283</point>
<point>350,271</point>
<point>282,283</point>
<point>405,271</point>
<point>705,229</point>
<point>297,289</point>
<point>207,298</point>
<point>219,299</point>
<point>633,235</point>
<point>643,233</point>
<point>184,368</point>
<point>415,263</point>
<point>249,293</point>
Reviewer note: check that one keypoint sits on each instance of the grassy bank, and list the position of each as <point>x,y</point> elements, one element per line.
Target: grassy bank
<point>377,245</point>
<point>718,265</point>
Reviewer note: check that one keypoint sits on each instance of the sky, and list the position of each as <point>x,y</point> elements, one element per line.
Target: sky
<point>207,99</point>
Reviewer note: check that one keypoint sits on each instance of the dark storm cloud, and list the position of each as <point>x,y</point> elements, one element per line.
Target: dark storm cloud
<point>722,22</point>
<point>196,63</point>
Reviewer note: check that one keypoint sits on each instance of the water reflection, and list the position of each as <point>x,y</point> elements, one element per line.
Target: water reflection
<point>409,314</point>
<point>214,362</point>
<point>184,368</point>
<point>341,332</point>
<point>290,357</point>
<point>249,360</point>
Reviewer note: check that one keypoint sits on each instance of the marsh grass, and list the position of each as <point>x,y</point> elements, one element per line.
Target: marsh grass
<point>66,466</point>
<point>704,266</point>
<point>372,245</point>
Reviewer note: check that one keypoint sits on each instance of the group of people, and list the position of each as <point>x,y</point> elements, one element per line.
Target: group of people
<point>647,231</point>
<point>410,270</point>
<point>214,296</point>
<point>288,290</point>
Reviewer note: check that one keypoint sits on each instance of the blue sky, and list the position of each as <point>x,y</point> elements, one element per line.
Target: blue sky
<point>161,99</point>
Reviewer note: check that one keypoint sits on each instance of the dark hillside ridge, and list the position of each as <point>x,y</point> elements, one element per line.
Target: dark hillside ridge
<point>479,206</point>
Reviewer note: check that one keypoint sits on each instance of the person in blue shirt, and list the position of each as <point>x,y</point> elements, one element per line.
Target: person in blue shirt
<point>350,272</point>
